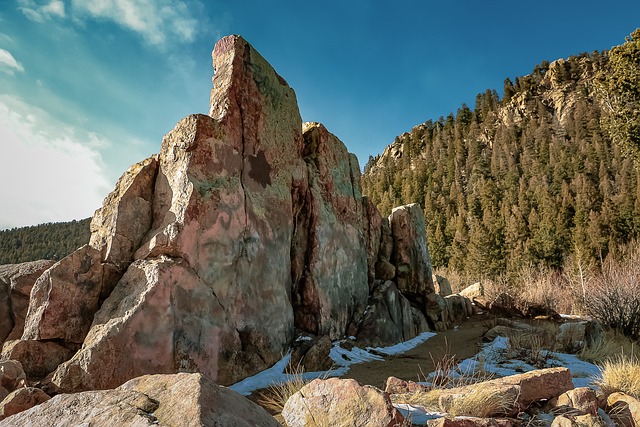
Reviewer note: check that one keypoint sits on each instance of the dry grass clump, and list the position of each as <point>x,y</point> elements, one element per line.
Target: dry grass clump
<point>612,344</point>
<point>620,374</point>
<point>447,376</point>
<point>482,402</point>
<point>276,395</point>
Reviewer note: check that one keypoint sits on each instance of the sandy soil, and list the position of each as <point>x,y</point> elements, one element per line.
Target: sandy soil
<point>463,342</point>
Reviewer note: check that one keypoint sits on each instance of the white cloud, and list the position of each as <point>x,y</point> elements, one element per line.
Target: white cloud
<point>8,63</point>
<point>42,12</point>
<point>157,21</point>
<point>49,171</point>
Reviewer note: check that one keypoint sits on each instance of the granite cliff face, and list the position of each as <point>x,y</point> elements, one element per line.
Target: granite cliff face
<point>247,229</point>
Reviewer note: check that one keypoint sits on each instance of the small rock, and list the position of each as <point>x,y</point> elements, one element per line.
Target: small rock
<point>473,291</point>
<point>582,399</point>
<point>395,385</point>
<point>586,420</point>
<point>624,409</point>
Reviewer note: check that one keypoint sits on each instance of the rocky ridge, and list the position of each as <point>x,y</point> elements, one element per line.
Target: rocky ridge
<point>247,229</point>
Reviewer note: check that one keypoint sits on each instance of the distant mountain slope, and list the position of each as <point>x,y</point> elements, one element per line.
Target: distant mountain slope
<point>44,241</point>
<point>529,179</point>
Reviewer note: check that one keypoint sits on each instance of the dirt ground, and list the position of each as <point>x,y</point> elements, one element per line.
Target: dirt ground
<point>463,342</point>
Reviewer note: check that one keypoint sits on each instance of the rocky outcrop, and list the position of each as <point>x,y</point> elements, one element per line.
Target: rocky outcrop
<point>340,402</point>
<point>118,227</point>
<point>16,281</point>
<point>246,229</point>
<point>180,400</point>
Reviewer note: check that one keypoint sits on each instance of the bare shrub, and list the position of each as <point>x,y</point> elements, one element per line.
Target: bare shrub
<point>613,295</point>
<point>544,289</point>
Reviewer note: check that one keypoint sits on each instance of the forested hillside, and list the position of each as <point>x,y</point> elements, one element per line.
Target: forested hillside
<point>530,179</point>
<point>45,241</point>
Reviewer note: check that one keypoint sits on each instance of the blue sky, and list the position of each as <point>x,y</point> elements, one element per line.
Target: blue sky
<point>89,87</point>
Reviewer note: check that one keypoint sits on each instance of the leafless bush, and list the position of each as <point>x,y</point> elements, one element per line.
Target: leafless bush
<point>613,295</point>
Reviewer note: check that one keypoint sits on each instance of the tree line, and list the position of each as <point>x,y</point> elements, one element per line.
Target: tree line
<point>534,178</point>
<point>51,241</point>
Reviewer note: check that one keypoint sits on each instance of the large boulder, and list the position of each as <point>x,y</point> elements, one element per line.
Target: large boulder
<point>180,400</point>
<point>331,276</point>
<point>410,252</point>
<point>340,402</point>
<point>16,282</point>
<point>169,319</point>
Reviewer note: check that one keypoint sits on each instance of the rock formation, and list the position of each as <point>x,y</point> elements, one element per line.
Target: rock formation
<point>246,229</point>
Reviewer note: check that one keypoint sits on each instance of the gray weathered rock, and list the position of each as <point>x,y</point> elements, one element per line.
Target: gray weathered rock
<point>442,285</point>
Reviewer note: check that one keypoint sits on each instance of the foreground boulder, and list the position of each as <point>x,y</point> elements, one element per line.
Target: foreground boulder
<point>180,400</point>
<point>340,402</point>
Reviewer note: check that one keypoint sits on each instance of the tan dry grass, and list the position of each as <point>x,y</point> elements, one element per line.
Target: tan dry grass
<point>482,402</point>
<point>276,395</point>
<point>612,344</point>
<point>620,374</point>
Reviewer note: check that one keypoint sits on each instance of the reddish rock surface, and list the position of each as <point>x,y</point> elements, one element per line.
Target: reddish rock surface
<point>20,400</point>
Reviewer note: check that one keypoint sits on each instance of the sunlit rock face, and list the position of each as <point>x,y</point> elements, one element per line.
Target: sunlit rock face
<point>247,228</point>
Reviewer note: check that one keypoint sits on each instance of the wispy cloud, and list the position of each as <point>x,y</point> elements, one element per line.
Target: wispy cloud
<point>157,21</point>
<point>8,63</point>
<point>52,172</point>
<point>42,12</point>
